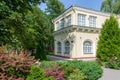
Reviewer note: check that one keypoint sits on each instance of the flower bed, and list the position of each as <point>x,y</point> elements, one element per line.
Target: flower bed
<point>72,70</point>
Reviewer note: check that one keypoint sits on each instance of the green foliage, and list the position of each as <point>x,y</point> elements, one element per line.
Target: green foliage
<point>68,70</point>
<point>77,75</point>
<point>91,70</point>
<point>40,54</point>
<point>4,31</point>
<point>21,5</point>
<point>111,6</point>
<point>15,66</point>
<point>36,73</point>
<point>24,25</point>
<point>54,8</point>
<point>109,41</point>
<point>115,64</point>
<point>27,28</point>
<point>50,53</point>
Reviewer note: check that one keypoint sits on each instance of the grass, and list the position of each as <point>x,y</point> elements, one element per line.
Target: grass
<point>50,53</point>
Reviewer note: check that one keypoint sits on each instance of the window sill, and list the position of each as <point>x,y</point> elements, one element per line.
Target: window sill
<point>59,52</point>
<point>88,53</point>
<point>66,53</point>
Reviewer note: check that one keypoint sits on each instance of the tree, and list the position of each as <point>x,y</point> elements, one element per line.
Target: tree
<point>12,18</point>
<point>54,8</point>
<point>109,40</point>
<point>21,5</point>
<point>23,24</point>
<point>27,28</point>
<point>111,6</point>
<point>20,26</point>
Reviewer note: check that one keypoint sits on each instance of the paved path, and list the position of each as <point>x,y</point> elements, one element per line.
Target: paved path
<point>110,74</point>
<point>56,58</point>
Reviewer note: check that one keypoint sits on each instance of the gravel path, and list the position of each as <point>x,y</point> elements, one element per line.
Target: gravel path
<point>110,74</point>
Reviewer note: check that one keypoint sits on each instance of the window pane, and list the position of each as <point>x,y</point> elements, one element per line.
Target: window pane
<point>59,49</point>
<point>67,47</point>
<point>81,19</point>
<point>57,25</point>
<point>68,20</point>
<point>87,47</point>
<point>92,21</point>
<point>62,23</point>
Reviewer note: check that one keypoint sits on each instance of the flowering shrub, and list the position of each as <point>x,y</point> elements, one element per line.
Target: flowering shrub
<point>86,70</point>
<point>55,71</point>
<point>15,66</point>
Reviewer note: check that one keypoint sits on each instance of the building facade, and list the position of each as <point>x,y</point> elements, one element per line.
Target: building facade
<point>77,32</point>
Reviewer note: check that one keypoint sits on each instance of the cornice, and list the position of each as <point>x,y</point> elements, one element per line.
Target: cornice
<point>78,28</point>
<point>74,8</point>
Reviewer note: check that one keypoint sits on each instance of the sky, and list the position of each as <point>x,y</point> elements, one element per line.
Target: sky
<point>92,4</point>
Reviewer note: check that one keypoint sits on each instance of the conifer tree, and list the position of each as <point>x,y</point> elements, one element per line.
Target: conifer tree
<point>109,40</point>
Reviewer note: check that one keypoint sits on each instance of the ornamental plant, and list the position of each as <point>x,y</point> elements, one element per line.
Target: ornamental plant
<point>55,71</point>
<point>15,66</point>
<point>77,75</point>
<point>37,73</point>
<point>86,70</point>
<point>109,41</point>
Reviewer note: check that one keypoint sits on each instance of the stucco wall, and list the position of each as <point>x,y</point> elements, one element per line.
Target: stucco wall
<point>76,40</point>
<point>67,36</point>
<point>80,38</point>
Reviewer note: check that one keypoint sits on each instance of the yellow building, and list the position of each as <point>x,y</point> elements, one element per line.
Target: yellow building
<point>77,32</point>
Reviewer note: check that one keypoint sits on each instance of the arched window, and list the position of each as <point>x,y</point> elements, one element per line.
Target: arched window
<point>87,47</point>
<point>59,47</point>
<point>67,47</point>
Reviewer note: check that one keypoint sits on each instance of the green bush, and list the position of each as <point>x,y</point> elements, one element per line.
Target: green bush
<point>115,64</point>
<point>92,70</point>
<point>37,73</point>
<point>109,40</point>
<point>77,75</point>
<point>68,70</point>
<point>40,53</point>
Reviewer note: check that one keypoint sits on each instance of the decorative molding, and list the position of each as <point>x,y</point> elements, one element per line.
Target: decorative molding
<point>78,28</point>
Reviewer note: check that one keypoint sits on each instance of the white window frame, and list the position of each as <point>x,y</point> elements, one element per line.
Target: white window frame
<point>92,21</point>
<point>67,47</point>
<point>81,19</point>
<point>59,47</point>
<point>62,23</point>
<point>68,20</point>
<point>57,25</point>
<point>87,47</point>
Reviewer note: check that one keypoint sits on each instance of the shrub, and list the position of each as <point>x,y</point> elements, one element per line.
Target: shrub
<point>68,70</point>
<point>37,73</point>
<point>41,53</point>
<point>77,75</point>
<point>54,70</point>
<point>115,64</point>
<point>109,40</point>
<point>15,66</point>
<point>92,70</point>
